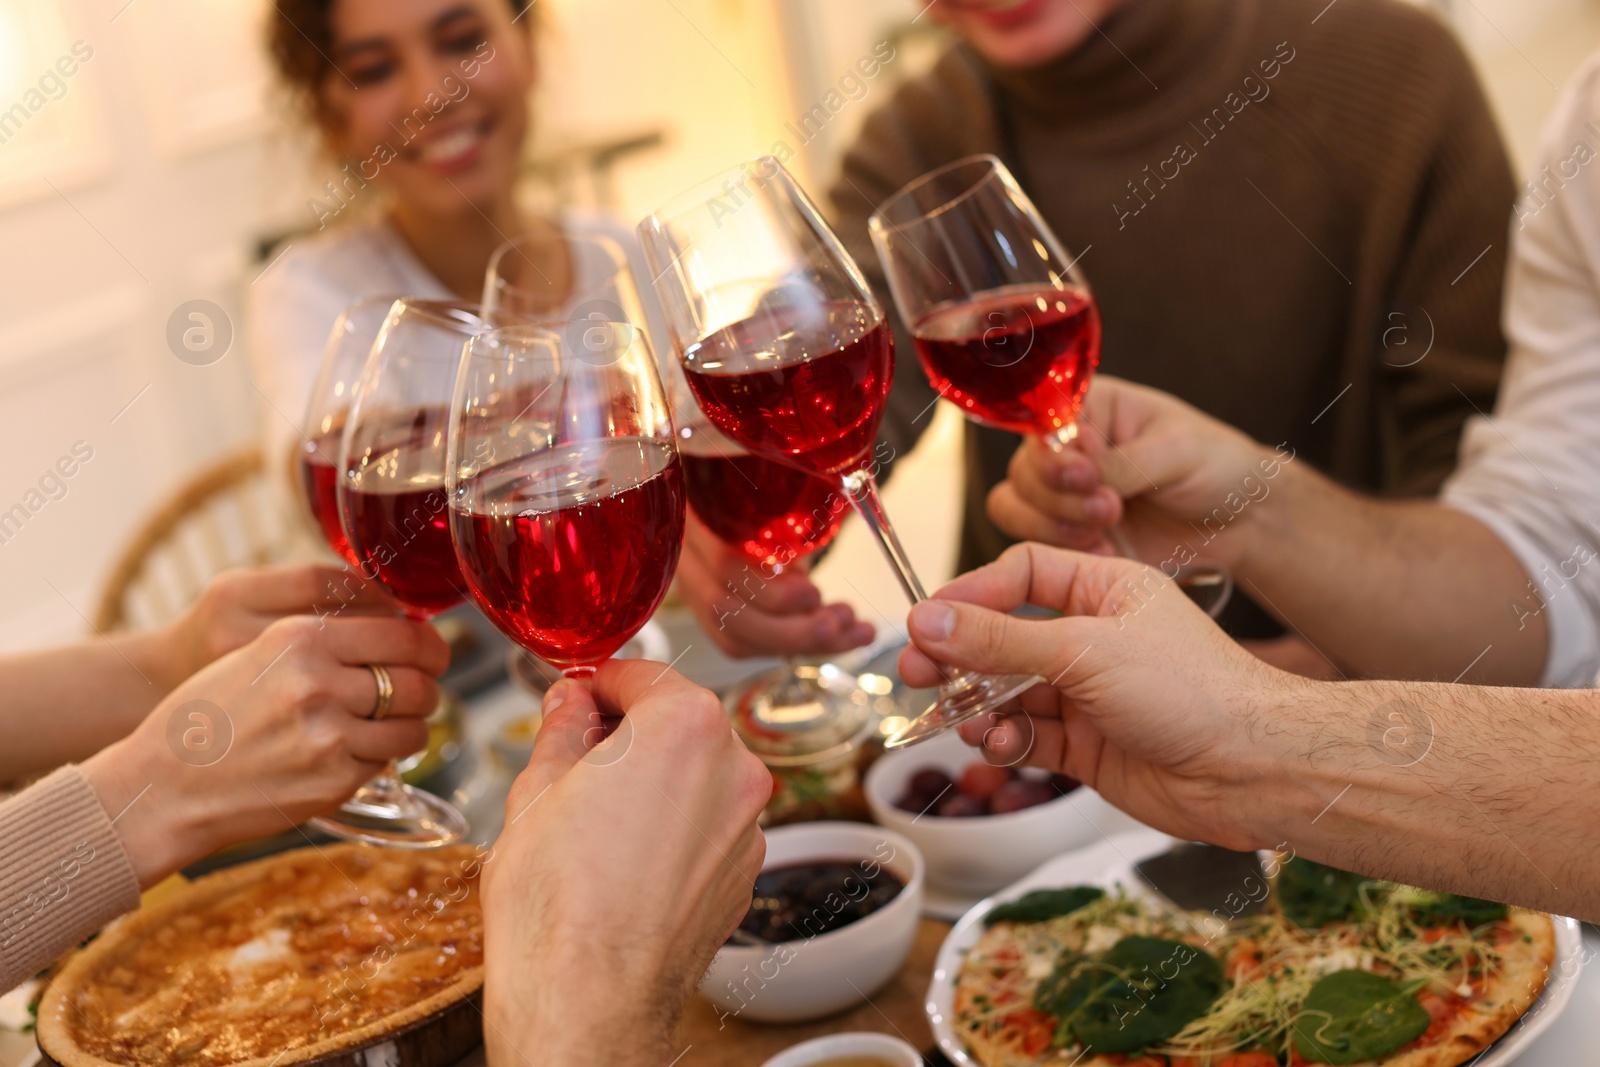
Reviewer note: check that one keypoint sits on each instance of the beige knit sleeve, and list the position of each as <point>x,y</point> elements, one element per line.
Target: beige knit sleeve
<point>63,873</point>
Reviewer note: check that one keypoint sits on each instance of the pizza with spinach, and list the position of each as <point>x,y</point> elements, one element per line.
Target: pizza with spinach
<point>1343,970</point>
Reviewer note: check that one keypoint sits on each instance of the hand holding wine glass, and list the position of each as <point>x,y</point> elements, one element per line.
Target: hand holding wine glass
<point>788,353</point>
<point>1004,322</point>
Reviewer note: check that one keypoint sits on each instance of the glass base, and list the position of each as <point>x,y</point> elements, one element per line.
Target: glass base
<point>1209,585</point>
<point>963,698</point>
<point>801,714</point>
<point>396,815</point>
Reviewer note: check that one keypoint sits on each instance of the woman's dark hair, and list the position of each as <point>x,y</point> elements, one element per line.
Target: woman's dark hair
<point>300,38</point>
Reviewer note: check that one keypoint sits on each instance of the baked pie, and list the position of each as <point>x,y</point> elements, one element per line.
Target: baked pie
<point>312,956</point>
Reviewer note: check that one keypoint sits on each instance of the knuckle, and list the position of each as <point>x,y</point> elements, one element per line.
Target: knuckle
<point>755,785</point>
<point>298,630</point>
<point>699,715</point>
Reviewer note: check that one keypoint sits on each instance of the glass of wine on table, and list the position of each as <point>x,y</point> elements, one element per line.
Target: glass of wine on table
<point>788,353</point>
<point>1004,323</point>
<point>392,507</point>
<point>566,491</point>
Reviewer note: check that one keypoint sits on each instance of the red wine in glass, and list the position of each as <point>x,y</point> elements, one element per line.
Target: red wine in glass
<point>405,538</point>
<point>571,550</point>
<point>1018,358</point>
<point>396,516</point>
<point>319,481</point>
<point>770,513</point>
<point>821,412</point>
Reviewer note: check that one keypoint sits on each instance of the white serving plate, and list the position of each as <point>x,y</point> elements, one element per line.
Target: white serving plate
<point>1110,863</point>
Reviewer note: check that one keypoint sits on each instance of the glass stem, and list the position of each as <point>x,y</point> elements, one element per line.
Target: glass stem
<point>387,780</point>
<point>1058,440</point>
<point>862,489</point>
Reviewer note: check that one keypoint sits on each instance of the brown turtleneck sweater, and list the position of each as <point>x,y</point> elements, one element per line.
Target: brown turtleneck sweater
<point>1279,204</point>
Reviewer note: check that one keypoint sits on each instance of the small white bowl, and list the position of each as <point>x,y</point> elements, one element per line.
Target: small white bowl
<point>891,1050</point>
<point>977,855</point>
<point>807,979</point>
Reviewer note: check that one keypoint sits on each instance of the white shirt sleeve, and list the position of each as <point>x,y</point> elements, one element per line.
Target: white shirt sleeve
<point>1531,471</point>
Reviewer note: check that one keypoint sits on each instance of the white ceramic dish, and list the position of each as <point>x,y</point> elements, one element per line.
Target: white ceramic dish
<point>1110,863</point>
<point>969,858</point>
<point>891,1050</point>
<point>826,973</point>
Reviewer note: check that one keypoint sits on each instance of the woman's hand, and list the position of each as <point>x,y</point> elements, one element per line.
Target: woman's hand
<point>625,862</point>
<point>1145,699</point>
<point>749,611</point>
<point>266,737</point>
<point>239,604</point>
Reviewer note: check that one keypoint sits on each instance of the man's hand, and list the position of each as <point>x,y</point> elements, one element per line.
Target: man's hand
<point>239,604</point>
<point>266,737</point>
<point>629,855</point>
<point>1146,700</point>
<point>749,611</point>
<point>1147,460</point>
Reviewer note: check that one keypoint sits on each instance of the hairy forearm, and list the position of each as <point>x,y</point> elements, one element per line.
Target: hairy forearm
<point>64,705</point>
<point>1487,792</point>
<point>1392,589</point>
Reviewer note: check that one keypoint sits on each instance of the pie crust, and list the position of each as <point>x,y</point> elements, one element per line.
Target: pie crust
<point>320,955</point>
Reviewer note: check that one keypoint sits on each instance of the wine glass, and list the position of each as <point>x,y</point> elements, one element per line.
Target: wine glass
<point>566,496</point>
<point>343,358</point>
<point>1003,320</point>
<point>772,515</point>
<point>559,276</point>
<point>392,505</point>
<point>788,353</point>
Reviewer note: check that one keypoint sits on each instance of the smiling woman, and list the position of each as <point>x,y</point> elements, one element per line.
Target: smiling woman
<point>425,105</point>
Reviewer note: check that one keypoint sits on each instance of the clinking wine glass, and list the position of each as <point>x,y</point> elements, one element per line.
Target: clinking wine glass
<point>317,462</point>
<point>788,353</point>
<point>559,276</point>
<point>566,491</point>
<point>773,515</point>
<point>1004,323</point>
<point>393,508</point>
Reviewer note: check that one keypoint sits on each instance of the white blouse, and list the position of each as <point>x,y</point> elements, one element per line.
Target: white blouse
<point>1531,471</point>
<point>293,306</point>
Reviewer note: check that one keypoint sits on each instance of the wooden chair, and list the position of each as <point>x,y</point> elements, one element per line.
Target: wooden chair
<point>228,515</point>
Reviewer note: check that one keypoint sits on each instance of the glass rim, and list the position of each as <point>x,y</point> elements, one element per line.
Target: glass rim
<point>993,170</point>
<point>553,328</point>
<point>610,245</point>
<point>368,301</point>
<point>441,312</point>
<point>704,191</point>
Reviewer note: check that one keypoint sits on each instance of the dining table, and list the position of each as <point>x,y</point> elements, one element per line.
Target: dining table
<point>708,1037</point>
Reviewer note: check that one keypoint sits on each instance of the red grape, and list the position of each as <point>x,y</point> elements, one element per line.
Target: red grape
<point>961,806</point>
<point>1020,793</point>
<point>980,780</point>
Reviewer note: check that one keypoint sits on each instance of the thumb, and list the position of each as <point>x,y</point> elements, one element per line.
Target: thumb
<point>572,725</point>
<point>979,639</point>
